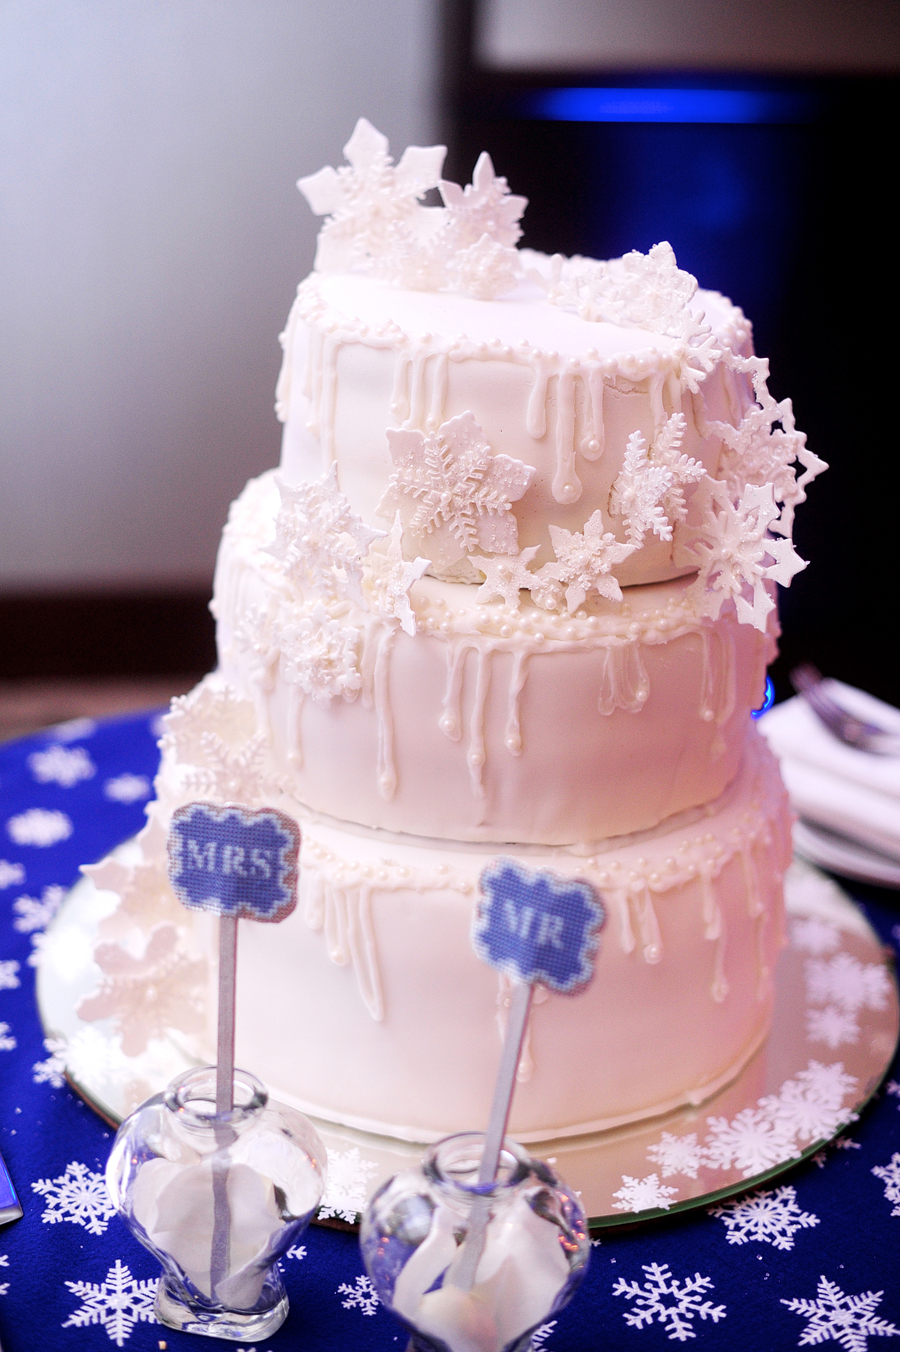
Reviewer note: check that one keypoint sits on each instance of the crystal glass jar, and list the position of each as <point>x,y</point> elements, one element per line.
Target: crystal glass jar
<point>469,1267</point>
<point>217,1198</point>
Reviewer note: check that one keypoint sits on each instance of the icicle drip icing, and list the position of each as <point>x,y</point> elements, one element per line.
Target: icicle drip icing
<point>719,681</point>
<point>623,679</point>
<point>593,445</point>
<point>756,910</point>
<point>714,930</point>
<point>295,726</point>
<point>540,995</point>
<point>327,398</point>
<point>566,483</point>
<point>387,774</point>
<point>648,926</point>
<point>314,906</point>
<point>417,397</point>
<point>400,395</point>
<point>336,944</point>
<point>719,987</point>
<point>450,721</point>
<point>512,736</point>
<point>367,660</point>
<point>438,390</point>
<point>312,384</point>
<point>476,755</point>
<point>349,938</point>
<point>536,415</point>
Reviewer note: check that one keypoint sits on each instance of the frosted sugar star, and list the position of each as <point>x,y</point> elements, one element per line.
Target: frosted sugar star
<point>506,576</point>
<point>388,577</point>
<point>484,207</point>
<point>585,560</point>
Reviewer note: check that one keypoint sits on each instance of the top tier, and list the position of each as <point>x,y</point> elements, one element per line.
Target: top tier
<point>509,405</point>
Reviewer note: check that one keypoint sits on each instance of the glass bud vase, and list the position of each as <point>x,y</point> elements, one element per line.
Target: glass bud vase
<point>217,1198</point>
<point>469,1267</point>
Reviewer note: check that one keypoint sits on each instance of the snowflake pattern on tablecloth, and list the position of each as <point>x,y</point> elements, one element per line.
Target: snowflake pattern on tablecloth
<point>74,730</point>
<point>4,1262</point>
<point>297,1251</point>
<point>585,560</point>
<point>33,913</point>
<point>8,979</point>
<point>836,1317</point>
<point>893,1088</point>
<point>643,1194</point>
<point>117,1303</point>
<point>7,1041</point>
<point>39,826</point>
<point>890,1176</point>
<point>347,1188</point>
<point>127,788</point>
<point>767,1217</point>
<point>78,1195</point>
<point>815,936</point>
<point>671,1301</point>
<point>362,1296</point>
<point>677,1154</point>
<point>540,1335</point>
<point>848,983</point>
<point>52,1071</point>
<point>11,875</point>
<point>832,1025</point>
<point>63,765</point>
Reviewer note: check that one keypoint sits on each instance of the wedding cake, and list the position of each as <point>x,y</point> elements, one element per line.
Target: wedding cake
<point>510,592</point>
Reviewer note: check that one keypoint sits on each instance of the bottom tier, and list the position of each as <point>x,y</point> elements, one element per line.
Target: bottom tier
<point>367,1006</point>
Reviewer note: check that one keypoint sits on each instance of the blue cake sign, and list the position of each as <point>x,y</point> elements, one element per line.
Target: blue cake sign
<point>234,861</point>
<point>536,926</point>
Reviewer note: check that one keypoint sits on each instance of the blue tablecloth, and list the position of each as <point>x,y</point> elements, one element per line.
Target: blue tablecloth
<point>816,1259</point>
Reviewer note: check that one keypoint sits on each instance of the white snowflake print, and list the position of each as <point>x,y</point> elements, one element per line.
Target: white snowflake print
<point>8,979</point>
<point>79,1196</point>
<point>506,576</point>
<point>768,1217</point>
<point>39,826</point>
<point>117,1303</point>
<point>362,1296</point>
<point>832,1025</point>
<point>51,1071</point>
<point>453,494</point>
<point>677,1154</point>
<point>642,1194</point>
<point>11,875</point>
<point>320,654</point>
<point>540,1336</point>
<point>686,1301</point>
<point>815,936</point>
<point>63,765</point>
<point>585,560</point>
<point>319,541</point>
<point>297,1251</point>
<point>892,1087</point>
<point>751,1142</point>
<point>844,981</point>
<point>7,1041</point>
<point>33,914</point>
<point>127,788</point>
<point>388,576</point>
<point>4,1262</point>
<point>347,1189</point>
<point>839,1318</point>
<point>890,1176</point>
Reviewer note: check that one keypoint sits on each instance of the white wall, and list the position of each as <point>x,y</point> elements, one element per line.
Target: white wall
<point>151,239</point>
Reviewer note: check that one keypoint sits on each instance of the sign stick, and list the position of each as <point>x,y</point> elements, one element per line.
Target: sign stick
<point>225,1041</point>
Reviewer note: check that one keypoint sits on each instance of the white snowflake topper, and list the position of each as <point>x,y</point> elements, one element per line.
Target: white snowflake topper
<point>77,1195</point>
<point>117,1303</point>
<point>388,576</point>
<point>644,1194</point>
<point>453,495</point>
<point>347,1189</point>
<point>39,826</point>
<point>836,1317</point>
<point>585,560</point>
<point>767,1217</point>
<point>671,1302</point>
<point>63,765</point>
<point>319,541</point>
<point>890,1176</point>
<point>483,207</point>
<point>362,1296</point>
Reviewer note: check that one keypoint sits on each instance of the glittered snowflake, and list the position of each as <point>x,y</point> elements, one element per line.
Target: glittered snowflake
<point>127,788</point>
<point>816,936</point>
<point>39,826</point>
<point>7,1041</point>
<point>845,981</point>
<point>388,576</point>
<point>320,654</point>
<point>836,1317</point>
<point>63,765</point>
<point>78,1195</point>
<point>33,913</point>
<point>677,1154</point>
<point>585,560</point>
<point>117,1303</point>
<point>52,1070</point>
<point>147,996</point>
<point>319,541</point>
<point>453,495</point>
<point>11,875</point>
<point>362,1296</point>
<point>675,1303</point>
<point>643,1194</point>
<point>484,270</point>
<point>349,1181</point>
<point>483,207</point>
<point>890,1176</point>
<point>751,1142</point>
<point>505,576</point>
<point>8,979</point>
<point>832,1025</point>
<point>767,1217</point>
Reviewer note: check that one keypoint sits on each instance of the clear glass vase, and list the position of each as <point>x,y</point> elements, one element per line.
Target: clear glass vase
<point>469,1267</point>
<point>217,1198</point>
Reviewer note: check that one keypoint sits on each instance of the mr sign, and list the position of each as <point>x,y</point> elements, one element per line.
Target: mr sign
<point>536,926</point>
<point>234,861</point>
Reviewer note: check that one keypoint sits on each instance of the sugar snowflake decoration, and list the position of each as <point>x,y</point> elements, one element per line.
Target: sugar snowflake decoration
<point>39,826</point>
<point>890,1176</point>
<point>675,1303</point>
<point>585,560</point>
<point>840,1318</point>
<point>347,1189</point>
<point>643,1194</point>
<point>483,207</point>
<point>33,913</point>
<point>127,788</point>
<point>11,875</point>
<point>848,983</point>
<point>116,1304</point>
<point>362,1296</point>
<point>62,765</point>
<point>505,576</point>
<point>388,576</point>
<point>7,1041</point>
<point>52,1071</point>
<point>677,1154</point>
<point>321,655</point>
<point>453,495</point>
<point>319,541</point>
<point>767,1217</point>
<point>8,978</point>
<point>78,1195</point>
<point>639,492</point>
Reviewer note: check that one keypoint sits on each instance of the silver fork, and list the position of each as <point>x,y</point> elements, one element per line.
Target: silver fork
<point>855,732</point>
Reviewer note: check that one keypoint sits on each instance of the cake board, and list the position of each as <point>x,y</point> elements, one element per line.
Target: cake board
<point>833,1036</point>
